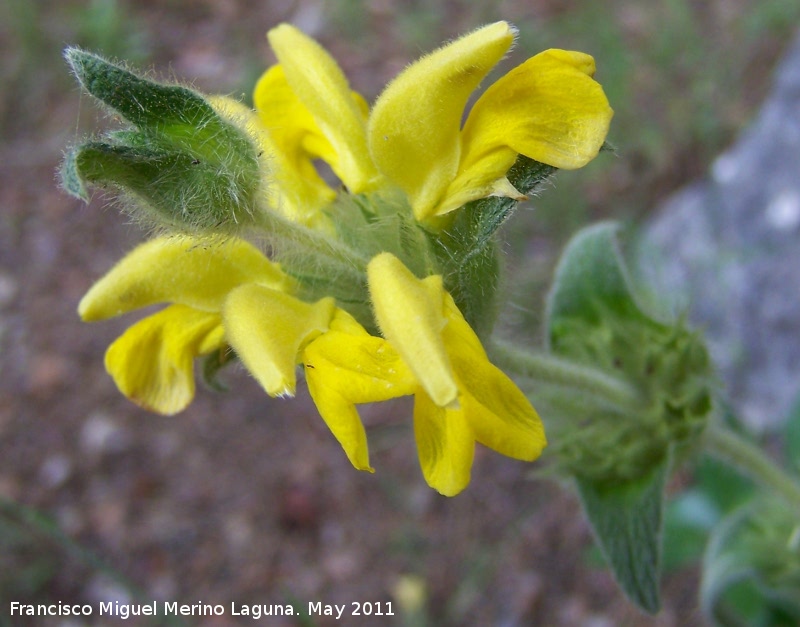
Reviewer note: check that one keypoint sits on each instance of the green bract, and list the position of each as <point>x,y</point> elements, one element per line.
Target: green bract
<point>180,163</point>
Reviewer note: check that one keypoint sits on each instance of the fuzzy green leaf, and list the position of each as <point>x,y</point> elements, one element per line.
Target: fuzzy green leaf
<point>595,319</point>
<point>592,280</point>
<point>145,103</point>
<point>170,186</point>
<point>626,520</point>
<point>188,167</point>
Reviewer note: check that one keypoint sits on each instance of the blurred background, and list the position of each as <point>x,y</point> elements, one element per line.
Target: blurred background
<point>247,499</point>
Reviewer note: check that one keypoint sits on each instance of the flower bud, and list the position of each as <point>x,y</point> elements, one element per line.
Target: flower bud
<point>595,319</point>
<point>668,366</point>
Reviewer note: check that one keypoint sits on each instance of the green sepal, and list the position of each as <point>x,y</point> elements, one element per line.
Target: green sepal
<point>171,187</point>
<point>608,147</point>
<point>163,109</point>
<point>752,565</point>
<point>468,256</point>
<point>188,167</point>
<point>626,519</point>
<point>468,252</point>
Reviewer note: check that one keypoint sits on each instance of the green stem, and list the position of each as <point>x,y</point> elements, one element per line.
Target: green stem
<point>321,264</point>
<point>749,459</point>
<point>284,234</point>
<point>551,370</point>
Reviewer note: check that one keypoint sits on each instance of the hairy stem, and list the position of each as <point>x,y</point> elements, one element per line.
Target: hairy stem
<point>551,370</point>
<point>749,459</point>
<point>284,234</point>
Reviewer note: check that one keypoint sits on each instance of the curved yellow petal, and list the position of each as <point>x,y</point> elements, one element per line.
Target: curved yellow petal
<point>365,368</point>
<point>481,182</point>
<point>289,121</point>
<point>415,124</point>
<point>341,417</point>
<point>321,86</point>
<point>344,368</point>
<point>548,108</point>
<point>268,329</point>
<point>186,270</point>
<point>500,415</point>
<point>409,312</point>
<point>152,362</point>
<point>292,186</point>
<point>445,445</point>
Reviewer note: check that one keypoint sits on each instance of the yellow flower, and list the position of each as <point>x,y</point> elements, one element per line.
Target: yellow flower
<point>549,109</point>
<point>222,293</point>
<point>409,153</point>
<point>431,352</point>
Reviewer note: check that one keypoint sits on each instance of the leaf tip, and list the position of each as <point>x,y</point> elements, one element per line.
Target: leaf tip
<point>70,178</point>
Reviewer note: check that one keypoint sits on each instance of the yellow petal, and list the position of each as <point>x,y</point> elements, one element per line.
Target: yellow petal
<point>152,362</point>
<point>409,312</point>
<point>342,419</point>
<point>321,86</point>
<point>185,270</point>
<point>548,108</point>
<point>475,183</point>
<point>501,417</point>
<point>268,329</point>
<point>415,125</point>
<point>344,368</point>
<point>445,445</point>
<point>289,121</point>
<point>498,412</point>
<point>365,368</point>
<point>292,186</point>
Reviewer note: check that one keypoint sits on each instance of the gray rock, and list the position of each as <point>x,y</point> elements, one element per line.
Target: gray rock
<point>730,247</point>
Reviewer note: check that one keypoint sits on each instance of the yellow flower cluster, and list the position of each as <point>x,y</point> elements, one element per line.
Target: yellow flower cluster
<point>226,293</point>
